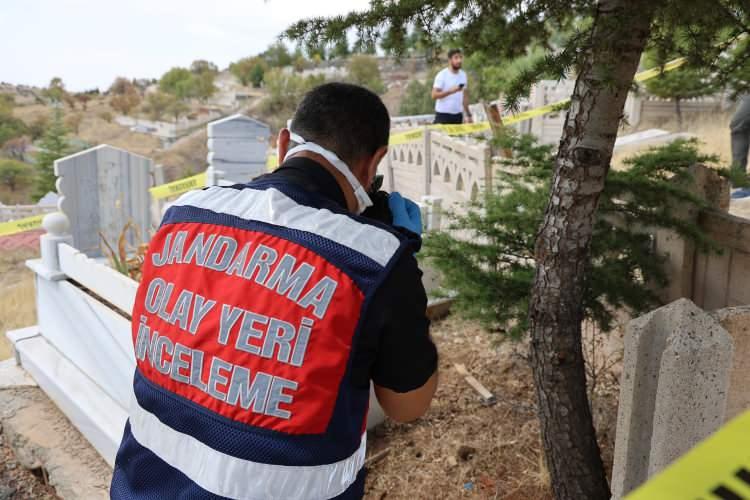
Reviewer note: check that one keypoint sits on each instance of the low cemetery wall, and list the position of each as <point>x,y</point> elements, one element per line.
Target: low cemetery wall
<point>13,212</point>
<point>453,169</point>
<point>712,279</point>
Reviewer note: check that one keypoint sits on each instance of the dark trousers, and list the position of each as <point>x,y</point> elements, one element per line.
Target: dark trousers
<point>740,127</point>
<point>449,118</point>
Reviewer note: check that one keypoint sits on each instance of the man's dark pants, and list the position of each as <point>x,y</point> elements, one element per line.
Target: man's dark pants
<point>449,118</point>
<point>740,127</point>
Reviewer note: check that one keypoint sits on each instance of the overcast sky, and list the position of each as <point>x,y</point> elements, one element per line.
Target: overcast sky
<point>89,42</point>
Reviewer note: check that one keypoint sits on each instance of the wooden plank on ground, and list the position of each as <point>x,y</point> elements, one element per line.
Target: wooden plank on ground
<point>484,393</point>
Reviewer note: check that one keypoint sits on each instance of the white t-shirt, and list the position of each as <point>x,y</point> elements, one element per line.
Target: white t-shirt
<point>445,80</point>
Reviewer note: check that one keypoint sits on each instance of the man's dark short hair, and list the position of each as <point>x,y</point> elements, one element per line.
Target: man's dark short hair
<point>453,52</point>
<point>348,119</point>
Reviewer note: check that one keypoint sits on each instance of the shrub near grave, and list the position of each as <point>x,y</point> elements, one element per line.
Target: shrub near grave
<point>487,255</point>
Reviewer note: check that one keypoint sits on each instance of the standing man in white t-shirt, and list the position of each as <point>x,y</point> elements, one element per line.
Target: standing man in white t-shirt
<point>451,100</point>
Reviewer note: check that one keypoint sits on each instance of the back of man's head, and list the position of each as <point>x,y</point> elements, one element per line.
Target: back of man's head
<point>347,119</point>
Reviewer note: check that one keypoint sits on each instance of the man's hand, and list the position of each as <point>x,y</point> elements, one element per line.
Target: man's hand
<point>439,93</point>
<point>468,118</point>
<point>407,406</point>
<point>406,213</point>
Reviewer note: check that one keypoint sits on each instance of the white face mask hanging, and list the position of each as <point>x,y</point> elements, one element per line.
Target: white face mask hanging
<point>363,199</point>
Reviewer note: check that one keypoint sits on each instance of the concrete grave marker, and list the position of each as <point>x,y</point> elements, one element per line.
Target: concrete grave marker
<point>237,146</point>
<point>101,190</point>
<point>673,390</point>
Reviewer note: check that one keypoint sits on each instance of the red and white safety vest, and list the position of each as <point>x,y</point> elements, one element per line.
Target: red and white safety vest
<point>243,331</point>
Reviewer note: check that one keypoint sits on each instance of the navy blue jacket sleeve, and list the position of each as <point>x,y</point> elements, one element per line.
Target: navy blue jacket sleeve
<point>394,348</point>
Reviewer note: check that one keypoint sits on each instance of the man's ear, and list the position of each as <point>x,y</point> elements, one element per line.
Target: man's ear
<point>283,144</point>
<point>372,166</point>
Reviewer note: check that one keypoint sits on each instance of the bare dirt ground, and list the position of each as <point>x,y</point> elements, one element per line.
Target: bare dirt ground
<point>463,448</point>
<point>19,483</point>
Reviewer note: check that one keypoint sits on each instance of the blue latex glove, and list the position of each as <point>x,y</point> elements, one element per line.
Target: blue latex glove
<point>405,213</point>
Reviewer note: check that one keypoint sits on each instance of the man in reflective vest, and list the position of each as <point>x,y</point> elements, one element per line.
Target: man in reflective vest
<point>264,312</point>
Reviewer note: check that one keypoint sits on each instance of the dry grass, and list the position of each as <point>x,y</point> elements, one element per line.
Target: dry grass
<point>17,298</point>
<point>95,130</point>
<point>187,156</point>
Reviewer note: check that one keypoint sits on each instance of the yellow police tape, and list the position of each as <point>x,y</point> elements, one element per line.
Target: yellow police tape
<point>471,128</point>
<point>21,225</point>
<point>178,187</point>
<point>719,467</point>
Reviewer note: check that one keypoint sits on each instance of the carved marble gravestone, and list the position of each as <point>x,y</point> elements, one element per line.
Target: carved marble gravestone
<point>102,189</point>
<point>237,146</point>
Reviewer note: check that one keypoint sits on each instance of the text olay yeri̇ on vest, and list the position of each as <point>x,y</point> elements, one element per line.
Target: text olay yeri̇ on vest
<point>229,319</point>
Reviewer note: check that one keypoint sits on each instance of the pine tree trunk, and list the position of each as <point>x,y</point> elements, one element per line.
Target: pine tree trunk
<point>562,249</point>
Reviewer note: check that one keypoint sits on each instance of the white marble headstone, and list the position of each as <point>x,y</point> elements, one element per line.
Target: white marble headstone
<point>101,189</point>
<point>237,146</point>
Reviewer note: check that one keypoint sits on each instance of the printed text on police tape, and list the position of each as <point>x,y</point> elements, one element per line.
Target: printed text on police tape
<point>717,468</point>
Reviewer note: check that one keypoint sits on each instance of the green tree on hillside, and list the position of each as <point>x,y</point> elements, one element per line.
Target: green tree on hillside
<point>277,55</point>
<point>204,75</point>
<point>257,75</point>
<point>15,174</point>
<point>363,70</point>
<point>249,70</point>
<point>179,82</point>
<point>204,86</point>
<point>55,91</point>
<point>53,146</point>
<point>201,66</point>
<point>157,104</point>
<point>185,84</point>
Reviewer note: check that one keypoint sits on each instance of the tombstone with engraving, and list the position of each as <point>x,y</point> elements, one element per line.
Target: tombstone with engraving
<point>101,190</point>
<point>237,147</point>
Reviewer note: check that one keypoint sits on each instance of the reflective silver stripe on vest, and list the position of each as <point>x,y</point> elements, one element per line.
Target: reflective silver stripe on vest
<point>274,207</point>
<point>233,477</point>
